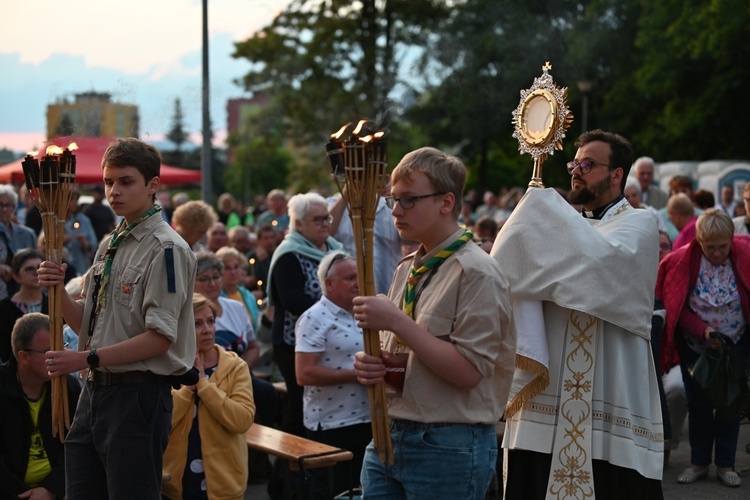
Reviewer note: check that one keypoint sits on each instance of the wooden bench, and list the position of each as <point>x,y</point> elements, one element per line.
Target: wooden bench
<point>300,453</point>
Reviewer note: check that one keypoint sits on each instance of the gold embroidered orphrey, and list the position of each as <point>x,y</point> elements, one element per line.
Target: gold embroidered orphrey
<point>571,474</point>
<point>541,120</point>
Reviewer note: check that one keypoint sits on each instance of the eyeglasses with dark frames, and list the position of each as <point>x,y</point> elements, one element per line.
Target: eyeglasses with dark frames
<point>205,280</point>
<point>585,165</point>
<point>407,202</point>
<point>318,220</point>
<point>36,351</point>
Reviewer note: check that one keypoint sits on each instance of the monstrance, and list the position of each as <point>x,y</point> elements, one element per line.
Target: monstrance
<point>541,120</point>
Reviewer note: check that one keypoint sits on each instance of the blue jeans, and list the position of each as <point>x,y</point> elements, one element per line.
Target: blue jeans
<point>432,461</point>
<point>707,429</point>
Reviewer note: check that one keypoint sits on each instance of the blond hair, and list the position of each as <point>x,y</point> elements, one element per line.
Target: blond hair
<point>200,301</point>
<point>446,173</point>
<point>714,225</point>
<point>680,204</point>
<point>195,214</point>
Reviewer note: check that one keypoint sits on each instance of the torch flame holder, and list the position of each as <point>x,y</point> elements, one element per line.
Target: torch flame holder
<point>365,168</point>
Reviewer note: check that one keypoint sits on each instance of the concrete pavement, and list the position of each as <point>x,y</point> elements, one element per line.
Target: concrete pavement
<point>706,489</point>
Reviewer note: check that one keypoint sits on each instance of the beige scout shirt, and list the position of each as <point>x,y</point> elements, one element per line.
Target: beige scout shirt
<point>467,302</point>
<point>138,297</point>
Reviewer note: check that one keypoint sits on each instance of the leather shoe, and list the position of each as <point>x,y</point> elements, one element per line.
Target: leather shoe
<point>729,478</point>
<point>689,476</point>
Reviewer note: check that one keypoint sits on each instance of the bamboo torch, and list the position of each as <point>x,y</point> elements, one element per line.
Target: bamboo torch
<point>50,185</point>
<point>361,163</point>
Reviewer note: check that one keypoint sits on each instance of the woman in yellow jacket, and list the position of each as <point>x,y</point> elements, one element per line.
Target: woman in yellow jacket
<point>207,453</point>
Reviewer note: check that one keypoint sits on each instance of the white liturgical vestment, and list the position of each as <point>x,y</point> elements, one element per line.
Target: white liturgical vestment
<point>585,383</point>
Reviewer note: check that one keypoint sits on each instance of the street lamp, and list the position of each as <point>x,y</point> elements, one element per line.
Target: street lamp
<point>207,191</point>
<point>585,86</point>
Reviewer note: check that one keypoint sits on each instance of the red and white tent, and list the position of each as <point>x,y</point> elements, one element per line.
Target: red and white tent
<point>89,163</point>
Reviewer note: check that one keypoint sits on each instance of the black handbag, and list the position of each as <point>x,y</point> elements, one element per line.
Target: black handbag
<point>722,375</point>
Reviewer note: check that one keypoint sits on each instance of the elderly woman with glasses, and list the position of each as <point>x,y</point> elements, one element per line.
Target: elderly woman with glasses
<point>13,237</point>
<point>233,275</point>
<point>28,299</point>
<point>705,287</point>
<point>293,287</point>
<point>234,332</point>
<point>207,452</point>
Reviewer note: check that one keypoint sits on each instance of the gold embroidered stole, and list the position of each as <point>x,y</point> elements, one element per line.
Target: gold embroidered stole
<point>571,473</point>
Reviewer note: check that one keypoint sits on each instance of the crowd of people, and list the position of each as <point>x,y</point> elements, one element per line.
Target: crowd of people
<point>551,352</point>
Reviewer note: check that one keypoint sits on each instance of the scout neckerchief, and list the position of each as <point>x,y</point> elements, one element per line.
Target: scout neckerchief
<point>414,274</point>
<point>118,235</point>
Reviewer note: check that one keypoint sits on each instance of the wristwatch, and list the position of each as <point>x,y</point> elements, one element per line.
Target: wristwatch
<point>93,359</point>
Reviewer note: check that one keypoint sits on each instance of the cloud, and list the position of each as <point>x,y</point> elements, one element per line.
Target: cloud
<point>142,52</point>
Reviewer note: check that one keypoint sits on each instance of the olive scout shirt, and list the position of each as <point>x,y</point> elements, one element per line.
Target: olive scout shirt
<point>150,286</point>
<point>467,302</point>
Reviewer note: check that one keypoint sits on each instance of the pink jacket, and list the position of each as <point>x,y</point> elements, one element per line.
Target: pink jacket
<point>678,273</point>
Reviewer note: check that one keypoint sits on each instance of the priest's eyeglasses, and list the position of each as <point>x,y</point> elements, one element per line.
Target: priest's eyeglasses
<point>407,202</point>
<point>585,165</point>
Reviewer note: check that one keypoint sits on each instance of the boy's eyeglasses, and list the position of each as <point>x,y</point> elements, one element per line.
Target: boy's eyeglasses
<point>407,202</point>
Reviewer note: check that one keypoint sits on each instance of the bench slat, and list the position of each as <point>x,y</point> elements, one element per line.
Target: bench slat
<point>294,449</point>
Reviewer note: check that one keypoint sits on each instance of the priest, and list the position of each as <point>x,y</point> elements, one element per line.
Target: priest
<point>584,416</point>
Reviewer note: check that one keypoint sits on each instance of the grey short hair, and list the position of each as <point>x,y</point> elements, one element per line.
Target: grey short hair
<point>325,264</point>
<point>227,253</point>
<point>25,330</point>
<point>633,183</point>
<point>643,160</point>
<point>7,190</point>
<point>205,261</point>
<point>713,225</point>
<point>299,204</point>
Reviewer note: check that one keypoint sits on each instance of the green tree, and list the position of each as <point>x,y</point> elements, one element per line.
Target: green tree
<point>65,126</point>
<point>671,76</point>
<point>693,81</point>
<point>328,62</point>
<point>487,53</point>
<point>177,133</point>
<point>260,161</point>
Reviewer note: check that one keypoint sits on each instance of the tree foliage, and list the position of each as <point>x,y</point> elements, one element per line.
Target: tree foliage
<point>669,75</point>
<point>65,126</point>
<point>177,133</point>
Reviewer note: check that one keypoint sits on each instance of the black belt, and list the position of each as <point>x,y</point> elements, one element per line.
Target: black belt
<point>107,378</point>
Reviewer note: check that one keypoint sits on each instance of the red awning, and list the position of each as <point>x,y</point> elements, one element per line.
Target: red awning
<point>89,163</point>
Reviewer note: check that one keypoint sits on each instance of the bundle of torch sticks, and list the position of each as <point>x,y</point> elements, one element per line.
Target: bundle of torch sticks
<point>51,186</point>
<point>361,163</point>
